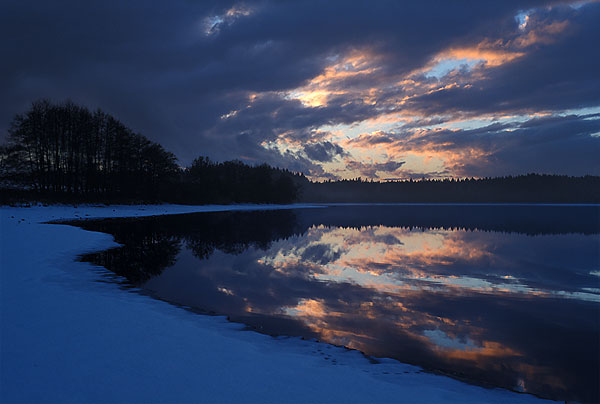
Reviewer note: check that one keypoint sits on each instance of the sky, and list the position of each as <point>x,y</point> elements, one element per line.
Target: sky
<point>336,89</point>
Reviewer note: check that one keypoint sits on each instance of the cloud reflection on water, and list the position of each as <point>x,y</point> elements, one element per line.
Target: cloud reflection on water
<point>511,309</point>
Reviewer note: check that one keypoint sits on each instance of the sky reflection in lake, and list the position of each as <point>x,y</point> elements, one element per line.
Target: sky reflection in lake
<point>470,296</point>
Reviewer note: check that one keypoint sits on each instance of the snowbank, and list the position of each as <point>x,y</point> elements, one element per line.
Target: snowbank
<point>66,336</point>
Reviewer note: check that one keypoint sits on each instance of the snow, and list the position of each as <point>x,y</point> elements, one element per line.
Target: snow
<point>67,336</point>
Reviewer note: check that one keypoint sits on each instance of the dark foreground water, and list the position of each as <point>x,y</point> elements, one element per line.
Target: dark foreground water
<point>502,295</point>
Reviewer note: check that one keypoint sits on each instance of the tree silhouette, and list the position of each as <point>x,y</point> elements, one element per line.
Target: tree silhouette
<point>524,188</point>
<point>66,149</point>
<point>63,152</point>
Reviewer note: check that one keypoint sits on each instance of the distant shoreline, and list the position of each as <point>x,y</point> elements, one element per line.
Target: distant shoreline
<point>304,204</point>
<point>43,282</point>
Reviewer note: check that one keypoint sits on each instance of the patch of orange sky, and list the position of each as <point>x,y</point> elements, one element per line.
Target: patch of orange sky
<point>327,84</point>
<point>342,77</point>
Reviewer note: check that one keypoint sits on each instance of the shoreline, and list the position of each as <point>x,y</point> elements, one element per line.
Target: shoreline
<point>60,322</point>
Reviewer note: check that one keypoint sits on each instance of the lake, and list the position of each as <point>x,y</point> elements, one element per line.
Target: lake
<point>498,295</point>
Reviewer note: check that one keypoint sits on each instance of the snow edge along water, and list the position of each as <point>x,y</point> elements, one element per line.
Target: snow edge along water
<point>64,337</point>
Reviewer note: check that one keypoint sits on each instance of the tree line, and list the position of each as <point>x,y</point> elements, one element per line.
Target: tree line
<point>530,188</point>
<point>63,151</point>
<point>233,181</point>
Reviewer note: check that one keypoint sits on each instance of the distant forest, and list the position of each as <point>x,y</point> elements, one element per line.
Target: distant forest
<point>530,188</point>
<point>66,153</point>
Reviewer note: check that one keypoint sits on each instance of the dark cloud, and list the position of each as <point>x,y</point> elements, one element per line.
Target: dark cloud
<point>370,170</point>
<point>565,145</point>
<point>556,74</point>
<point>210,78</point>
<point>324,151</point>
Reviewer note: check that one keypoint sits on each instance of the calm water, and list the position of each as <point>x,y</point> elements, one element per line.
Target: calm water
<point>503,295</point>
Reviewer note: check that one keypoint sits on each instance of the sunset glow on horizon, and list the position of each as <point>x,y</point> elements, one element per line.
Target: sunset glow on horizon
<point>336,91</point>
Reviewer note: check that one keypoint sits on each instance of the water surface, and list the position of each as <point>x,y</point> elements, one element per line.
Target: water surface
<point>507,296</point>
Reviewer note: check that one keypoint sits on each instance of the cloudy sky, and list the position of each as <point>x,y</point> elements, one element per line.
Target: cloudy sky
<point>335,89</point>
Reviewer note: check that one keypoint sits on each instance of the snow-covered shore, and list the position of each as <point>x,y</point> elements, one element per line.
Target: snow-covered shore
<point>67,337</point>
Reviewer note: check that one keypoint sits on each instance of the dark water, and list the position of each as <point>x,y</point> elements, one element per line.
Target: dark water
<point>503,295</point>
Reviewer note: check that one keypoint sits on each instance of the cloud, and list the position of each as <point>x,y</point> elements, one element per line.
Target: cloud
<point>370,170</point>
<point>262,81</point>
<point>565,145</point>
<point>324,151</point>
<point>366,140</point>
<point>558,72</point>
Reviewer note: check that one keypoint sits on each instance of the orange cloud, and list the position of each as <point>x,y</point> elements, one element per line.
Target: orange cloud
<point>544,34</point>
<point>491,53</point>
<point>321,88</point>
